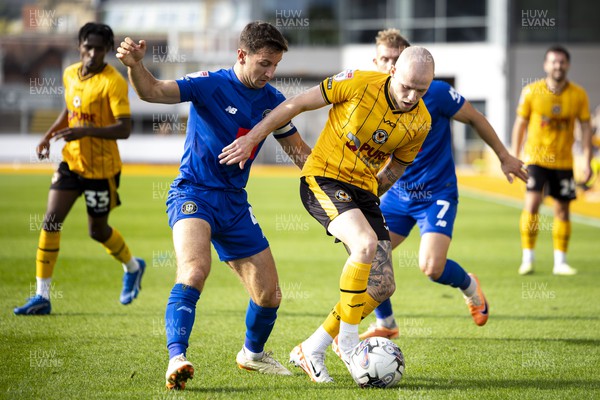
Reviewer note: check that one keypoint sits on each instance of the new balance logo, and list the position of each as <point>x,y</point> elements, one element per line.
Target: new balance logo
<point>184,308</point>
<point>231,110</point>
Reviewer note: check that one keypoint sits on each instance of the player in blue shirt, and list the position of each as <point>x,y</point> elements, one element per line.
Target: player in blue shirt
<point>207,201</point>
<point>427,193</point>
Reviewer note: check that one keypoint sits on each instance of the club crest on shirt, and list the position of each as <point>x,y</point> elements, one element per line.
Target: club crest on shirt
<point>556,109</point>
<point>343,196</point>
<point>189,207</point>
<point>76,101</point>
<point>380,136</point>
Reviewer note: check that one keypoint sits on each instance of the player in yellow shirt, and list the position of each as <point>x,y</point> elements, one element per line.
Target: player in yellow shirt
<point>96,115</point>
<point>546,116</point>
<point>375,129</point>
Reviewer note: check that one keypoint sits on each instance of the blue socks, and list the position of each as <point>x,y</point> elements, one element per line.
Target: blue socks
<point>384,309</point>
<point>179,318</point>
<point>259,324</point>
<point>454,275</point>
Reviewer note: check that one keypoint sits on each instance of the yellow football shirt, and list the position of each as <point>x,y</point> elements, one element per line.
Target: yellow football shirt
<point>550,138</point>
<point>364,129</point>
<point>98,101</point>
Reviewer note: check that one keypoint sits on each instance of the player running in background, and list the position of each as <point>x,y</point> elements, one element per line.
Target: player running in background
<point>546,115</point>
<point>207,201</point>
<point>96,115</point>
<point>375,129</point>
<point>427,193</point>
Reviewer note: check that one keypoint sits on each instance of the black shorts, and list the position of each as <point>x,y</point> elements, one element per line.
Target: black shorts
<point>100,194</point>
<point>558,183</point>
<point>326,198</point>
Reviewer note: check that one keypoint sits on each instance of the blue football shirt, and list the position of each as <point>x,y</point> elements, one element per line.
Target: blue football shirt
<point>222,108</point>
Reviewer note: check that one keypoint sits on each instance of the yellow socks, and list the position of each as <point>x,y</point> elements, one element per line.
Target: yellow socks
<point>529,227</point>
<point>332,322</point>
<point>47,254</point>
<point>561,232</point>
<point>116,247</point>
<point>353,287</point>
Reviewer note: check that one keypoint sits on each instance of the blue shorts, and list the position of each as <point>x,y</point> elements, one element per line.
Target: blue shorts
<point>235,232</point>
<point>436,215</point>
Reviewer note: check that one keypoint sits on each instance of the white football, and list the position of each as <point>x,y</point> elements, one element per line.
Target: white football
<point>377,362</point>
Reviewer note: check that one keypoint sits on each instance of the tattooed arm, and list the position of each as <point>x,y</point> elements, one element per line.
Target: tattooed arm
<point>389,174</point>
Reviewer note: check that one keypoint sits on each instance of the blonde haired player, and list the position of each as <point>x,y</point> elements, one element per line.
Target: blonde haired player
<point>375,128</point>
<point>96,115</point>
<point>545,124</point>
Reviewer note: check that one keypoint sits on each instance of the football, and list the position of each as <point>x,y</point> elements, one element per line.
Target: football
<point>377,362</point>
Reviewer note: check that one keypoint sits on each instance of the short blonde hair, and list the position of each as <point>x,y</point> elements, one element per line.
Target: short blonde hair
<point>391,38</point>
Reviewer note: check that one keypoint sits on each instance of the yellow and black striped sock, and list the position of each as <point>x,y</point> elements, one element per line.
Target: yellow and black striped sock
<point>353,287</point>
<point>332,322</point>
<point>116,247</point>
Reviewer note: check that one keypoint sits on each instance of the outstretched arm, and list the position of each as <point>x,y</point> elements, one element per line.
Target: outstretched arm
<point>239,150</point>
<point>145,84</point>
<point>510,165</point>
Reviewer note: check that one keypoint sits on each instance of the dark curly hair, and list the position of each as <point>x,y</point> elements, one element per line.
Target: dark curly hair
<point>92,28</point>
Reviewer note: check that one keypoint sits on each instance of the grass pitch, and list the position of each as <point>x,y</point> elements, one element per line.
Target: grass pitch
<point>542,339</point>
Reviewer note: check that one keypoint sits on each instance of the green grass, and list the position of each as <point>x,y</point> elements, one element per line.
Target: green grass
<point>542,340</point>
